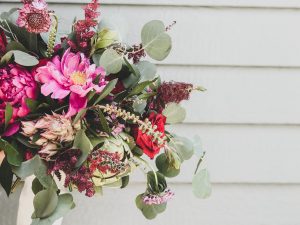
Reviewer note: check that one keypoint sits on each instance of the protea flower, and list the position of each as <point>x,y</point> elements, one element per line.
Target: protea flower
<point>53,129</point>
<point>35,16</point>
<point>16,85</point>
<point>71,75</point>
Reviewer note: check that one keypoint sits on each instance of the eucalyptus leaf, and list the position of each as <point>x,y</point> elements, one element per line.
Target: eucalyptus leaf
<point>45,203</point>
<point>13,156</point>
<point>28,168</point>
<point>174,113</point>
<point>36,186</point>
<point>201,184</point>
<point>64,205</point>
<point>165,167</point>
<point>111,61</point>
<point>139,106</point>
<point>24,59</point>
<point>156,42</point>
<point>183,147</point>
<point>83,143</point>
<point>41,173</point>
<point>106,38</point>
<point>148,70</point>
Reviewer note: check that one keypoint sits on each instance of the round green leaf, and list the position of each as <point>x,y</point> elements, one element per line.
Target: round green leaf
<point>24,59</point>
<point>111,61</point>
<point>164,166</point>
<point>156,42</point>
<point>148,70</point>
<point>83,143</point>
<point>201,184</point>
<point>183,146</point>
<point>106,37</point>
<point>45,203</point>
<point>174,113</point>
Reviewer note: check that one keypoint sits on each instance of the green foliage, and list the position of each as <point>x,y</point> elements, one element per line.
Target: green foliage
<point>106,91</point>
<point>183,147</point>
<point>201,184</point>
<point>156,182</point>
<point>156,42</point>
<point>148,70</point>
<point>140,87</point>
<point>111,61</point>
<point>83,143</point>
<point>164,166</point>
<point>8,114</point>
<point>79,116</point>
<point>24,59</point>
<point>106,38</point>
<point>174,113</point>
<point>149,211</point>
<point>14,45</point>
<point>64,205</point>
<point>6,176</point>
<point>13,156</point>
<point>36,186</point>
<point>45,203</point>
<point>32,104</point>
<point>28,167</point>
<point>125,181</point>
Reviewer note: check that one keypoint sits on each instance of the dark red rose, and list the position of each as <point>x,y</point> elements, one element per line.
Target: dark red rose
<point>3,42</point>
<point>145,142</point>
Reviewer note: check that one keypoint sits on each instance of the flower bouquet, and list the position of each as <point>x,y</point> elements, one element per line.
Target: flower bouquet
<point>87,110</point>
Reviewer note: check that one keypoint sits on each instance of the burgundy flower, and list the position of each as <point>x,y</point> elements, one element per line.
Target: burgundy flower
<point>16,85</point>
<point>145,141</point>
<point>35,17</point>
<point>3,42</point>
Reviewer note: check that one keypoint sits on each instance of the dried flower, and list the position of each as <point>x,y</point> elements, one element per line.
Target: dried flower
<point>34,16</point>
<point>137,53</point>
<point>28,128</point>
<point>81,178</point>
<point>83,28</point>
<point>158,199</point>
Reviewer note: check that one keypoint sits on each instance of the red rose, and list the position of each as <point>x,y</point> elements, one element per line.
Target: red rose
<point>3,42</point>
<point>145,141</point>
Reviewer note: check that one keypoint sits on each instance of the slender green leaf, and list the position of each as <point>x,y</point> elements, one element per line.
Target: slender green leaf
<point>32,104</point>
<point>83,143</point>
<point>6,176</point>
<point>8,114</point>
<point>106,91</point>
<point>79,115</point>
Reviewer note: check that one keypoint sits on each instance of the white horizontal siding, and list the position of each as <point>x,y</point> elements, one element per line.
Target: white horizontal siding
<point>247,54</point>
<point>229,205</point>
<point>201,3</point>
<point>207,36</point>
<point>240,95</point>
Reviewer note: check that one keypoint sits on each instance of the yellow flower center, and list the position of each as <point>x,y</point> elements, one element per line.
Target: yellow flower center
<point>78,78</point>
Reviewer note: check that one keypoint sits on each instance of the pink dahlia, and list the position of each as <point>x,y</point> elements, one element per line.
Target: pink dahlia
<point>16,85</point>
<point>35,17</point>
<point>72,74</point>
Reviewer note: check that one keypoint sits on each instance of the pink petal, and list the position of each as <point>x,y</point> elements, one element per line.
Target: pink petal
<point>76,104</point>
<point>12,129</point>
<point>55,88</point>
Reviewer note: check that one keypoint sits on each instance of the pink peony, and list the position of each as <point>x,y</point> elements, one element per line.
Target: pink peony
<point>16,84</point>
<point>34,16</point>
<point>72,74</point>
